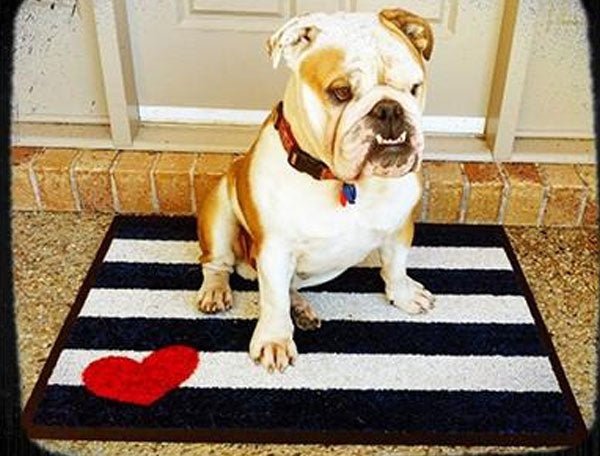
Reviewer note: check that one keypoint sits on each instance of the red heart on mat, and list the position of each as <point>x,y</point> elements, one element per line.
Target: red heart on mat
<point>125,380</point>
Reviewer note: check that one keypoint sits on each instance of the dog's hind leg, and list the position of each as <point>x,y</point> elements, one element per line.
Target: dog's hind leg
<point>217,230</point>
<point>302,312</point>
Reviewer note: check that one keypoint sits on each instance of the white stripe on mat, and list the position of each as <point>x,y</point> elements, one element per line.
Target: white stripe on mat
<point>347,371</point>
<point>130,303</point>
<point>159,251</point>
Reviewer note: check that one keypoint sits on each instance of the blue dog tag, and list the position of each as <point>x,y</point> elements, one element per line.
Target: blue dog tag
<point>349,191</point>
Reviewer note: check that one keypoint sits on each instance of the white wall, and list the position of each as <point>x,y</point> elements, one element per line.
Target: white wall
<point>57,75</point>
<point>557,97</point>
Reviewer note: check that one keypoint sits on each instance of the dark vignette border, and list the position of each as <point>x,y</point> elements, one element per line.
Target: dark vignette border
<point>289,436</point>
<point>11,437</point>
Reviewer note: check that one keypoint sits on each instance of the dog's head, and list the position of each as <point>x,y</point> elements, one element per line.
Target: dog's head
<point>358,88</point>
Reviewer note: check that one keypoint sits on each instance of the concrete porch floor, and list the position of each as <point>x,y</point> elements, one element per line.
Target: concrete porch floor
<point>53,251</point>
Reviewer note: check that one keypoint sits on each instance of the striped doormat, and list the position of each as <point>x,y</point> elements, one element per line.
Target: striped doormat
<point>135,360</point>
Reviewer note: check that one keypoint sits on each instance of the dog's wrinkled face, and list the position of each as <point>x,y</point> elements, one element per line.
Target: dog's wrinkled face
<point>357,91</point>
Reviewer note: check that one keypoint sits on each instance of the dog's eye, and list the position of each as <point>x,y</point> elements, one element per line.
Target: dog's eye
<point>414,90</point>
<point>342,93</point>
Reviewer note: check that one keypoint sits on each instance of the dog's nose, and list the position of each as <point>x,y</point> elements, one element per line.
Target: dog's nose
<point>387,111</point>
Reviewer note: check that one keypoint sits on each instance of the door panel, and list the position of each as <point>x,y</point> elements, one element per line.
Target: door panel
<point>235,15</point>
<point>192,59</point>
<point>431,10</point>
<point>330,6</point>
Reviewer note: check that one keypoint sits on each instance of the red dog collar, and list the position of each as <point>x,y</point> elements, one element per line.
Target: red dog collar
<point>306,163</point>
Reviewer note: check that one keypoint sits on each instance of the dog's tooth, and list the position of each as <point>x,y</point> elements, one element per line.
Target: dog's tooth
<point>391,141</point>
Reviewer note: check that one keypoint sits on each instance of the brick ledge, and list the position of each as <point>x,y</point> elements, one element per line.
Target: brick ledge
<point>175,183</point>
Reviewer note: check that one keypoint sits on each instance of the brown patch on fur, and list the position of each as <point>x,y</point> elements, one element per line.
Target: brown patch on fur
<point>416,29</point>
<point>419,174</point>
<point>246,243</point>
<point>321,67</point>
<point>406,233</point>
<point>206,223</point>
<point>244,248</point>
<point>241,244</point>
<point>415,214</point>
<point>319,70</point>
<point>249,240</point>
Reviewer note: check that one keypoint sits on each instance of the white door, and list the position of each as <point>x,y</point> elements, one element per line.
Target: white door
<point>207,54</point>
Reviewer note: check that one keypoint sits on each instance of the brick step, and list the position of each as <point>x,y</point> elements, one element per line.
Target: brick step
<point>175,183</point>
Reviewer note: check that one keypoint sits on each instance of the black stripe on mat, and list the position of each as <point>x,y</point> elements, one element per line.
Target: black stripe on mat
<point>332,337</point>
<point>320,410</point>
<point>160,276</point>
<point>184,229</point>
<point>155,227</point>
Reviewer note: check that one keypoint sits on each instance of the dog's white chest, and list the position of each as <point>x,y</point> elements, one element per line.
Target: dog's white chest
<point>305,214</point>
<point>331,239</point>
<point>332,253</point>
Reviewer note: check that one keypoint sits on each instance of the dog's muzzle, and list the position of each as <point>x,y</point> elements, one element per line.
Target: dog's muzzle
<point>395,148</point>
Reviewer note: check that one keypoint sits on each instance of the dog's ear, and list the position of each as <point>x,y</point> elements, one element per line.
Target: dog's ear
<point>416,29</point>
<point>291,40</point>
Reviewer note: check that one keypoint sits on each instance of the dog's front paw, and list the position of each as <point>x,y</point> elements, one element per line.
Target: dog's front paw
<point>274,353</point>
<point>410,296</point>
<point>214,296</point>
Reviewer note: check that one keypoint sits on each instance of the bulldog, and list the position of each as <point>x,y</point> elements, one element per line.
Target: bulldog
<point>331,177</point>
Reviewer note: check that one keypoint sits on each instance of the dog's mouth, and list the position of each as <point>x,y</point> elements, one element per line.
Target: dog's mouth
<point>372,147</point>
<point>390,151</point>
<point>393,157</point>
